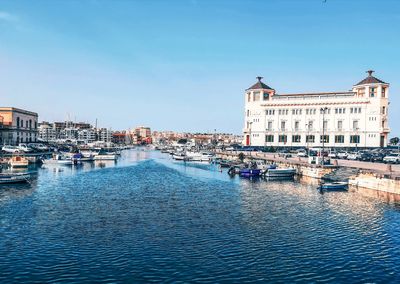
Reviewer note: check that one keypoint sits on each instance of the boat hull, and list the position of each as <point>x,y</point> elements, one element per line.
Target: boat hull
<point>335,186</point>
<point>14,178</point>
<point>250,172</point>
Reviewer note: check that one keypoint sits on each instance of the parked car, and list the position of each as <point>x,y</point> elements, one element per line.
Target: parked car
<point>284,154</point>
<point>353,156</point>
<point>392,159</point>
<point>38,146</point>
<point>333,155</point>
<point>24,147</point>
<point>377,157</point>
<point>9,149</point>
<point>365,156</point>
<point>302,153</point>
<point>342,155</point>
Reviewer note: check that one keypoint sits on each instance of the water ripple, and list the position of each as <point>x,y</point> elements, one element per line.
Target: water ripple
<point>152,220</point>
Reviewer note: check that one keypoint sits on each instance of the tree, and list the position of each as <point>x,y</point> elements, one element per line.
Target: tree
<point>394,140</point>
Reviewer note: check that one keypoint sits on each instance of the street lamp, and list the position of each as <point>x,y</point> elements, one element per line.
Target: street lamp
<point>307,137</point>
<point>323,110</point>
<point>250,123</point>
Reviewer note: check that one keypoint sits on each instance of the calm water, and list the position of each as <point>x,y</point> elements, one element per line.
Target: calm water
<point>149,219</point>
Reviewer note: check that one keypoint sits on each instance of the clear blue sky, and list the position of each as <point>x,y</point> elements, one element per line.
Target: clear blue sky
<point>184,65</point>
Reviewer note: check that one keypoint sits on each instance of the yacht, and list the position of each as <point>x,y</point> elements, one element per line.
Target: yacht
<point>199,156</point>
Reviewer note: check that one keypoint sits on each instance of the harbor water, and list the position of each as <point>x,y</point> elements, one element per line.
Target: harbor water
<point>148,218</point>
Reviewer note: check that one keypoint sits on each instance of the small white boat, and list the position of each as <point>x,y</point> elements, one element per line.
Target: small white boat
<point>18,162</point>
<point>334,186</point>
<point>180,157</point>
<point>58,160</point>
<point>105,156</point>
<point>14,178</point>
<point>199,156</point>
<point>280,173</point>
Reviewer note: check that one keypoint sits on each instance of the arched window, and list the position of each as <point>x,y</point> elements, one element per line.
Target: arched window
<point>17,122</point>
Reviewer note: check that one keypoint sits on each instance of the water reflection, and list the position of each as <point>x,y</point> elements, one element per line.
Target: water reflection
<point>147,218</point>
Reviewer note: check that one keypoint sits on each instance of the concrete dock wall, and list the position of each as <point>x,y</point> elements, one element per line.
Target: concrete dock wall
<point>376,185</point>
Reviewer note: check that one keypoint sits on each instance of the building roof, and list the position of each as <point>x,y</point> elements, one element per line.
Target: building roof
<point>317,94</point>
<point>370,79</point>
<point>259,85</point>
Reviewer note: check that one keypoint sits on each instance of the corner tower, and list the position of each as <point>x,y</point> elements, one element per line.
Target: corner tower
<point>376,92</point>
<point>254,123</point>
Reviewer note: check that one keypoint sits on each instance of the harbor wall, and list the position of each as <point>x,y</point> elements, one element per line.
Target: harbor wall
<point>376,185</point>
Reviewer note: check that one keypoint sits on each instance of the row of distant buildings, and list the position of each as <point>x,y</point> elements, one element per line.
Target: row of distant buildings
<point>165,137</point>
<point>84,133</point>
<point>22,126</point>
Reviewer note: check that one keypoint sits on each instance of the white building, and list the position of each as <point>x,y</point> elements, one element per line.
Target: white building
<point>47,132</point>
<point>87,135</point>
<point>356,118</point>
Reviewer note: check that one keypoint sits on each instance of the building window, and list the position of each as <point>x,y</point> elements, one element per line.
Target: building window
<point>339,125</point>
<point>325,124</point>
<point>296,125</point>
<point>324,138</point>
<point>383,92</point>
<point>339,138</point>
<point>283,125</point>
<point>355,125</point>
<point>283,138</point>
<point>296,138</point>
<point>372,92</point>
<point>310,125</point>
<point>355,139</point>
<point>18,122</point>
<point>310,138</point>
<point>248,97</point>
<point>269,138</point>
<point>256,96</point>
<point>383,110</point>
<point>361,92</point>
<point>30,124</point>
<point>265,96</point>
<point>269,126</point>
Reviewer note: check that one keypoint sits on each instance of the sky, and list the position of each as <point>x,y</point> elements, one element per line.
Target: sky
<point>184,65</point>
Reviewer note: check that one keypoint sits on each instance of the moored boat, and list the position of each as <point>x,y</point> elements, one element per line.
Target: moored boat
<point>332,186</point>
<point>58,159</point>
<point>180,157</point>
<point>280,173</point>
<point>104,155</point>
<point>6,178</point>
<point>248,172</point>
<point>18,162</point>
